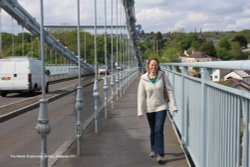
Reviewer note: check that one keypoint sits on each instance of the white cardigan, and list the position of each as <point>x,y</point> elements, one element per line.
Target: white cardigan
<point>151,97</point>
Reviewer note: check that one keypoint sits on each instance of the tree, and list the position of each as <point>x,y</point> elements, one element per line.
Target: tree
<point>153,55</point>
<point>223,48</point>
<point>195,45</point>
<point>208,48</point>
<point>224,43</point>
<point>158,36</point>
<point>20,36</point>
<point>236,53</point>
<point>241,40</point>
<point>142,32</point>
<point>158,42</point>
<point>171,52</point>
<point>170,55</point>
<point>187,41</point>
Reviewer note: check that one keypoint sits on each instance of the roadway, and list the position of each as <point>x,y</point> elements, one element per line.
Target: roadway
<point>17,103</point>
<point>20,142</point>
<point>56,86</point>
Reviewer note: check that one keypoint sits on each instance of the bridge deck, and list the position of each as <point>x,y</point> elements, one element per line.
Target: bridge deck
<point>123,140</point>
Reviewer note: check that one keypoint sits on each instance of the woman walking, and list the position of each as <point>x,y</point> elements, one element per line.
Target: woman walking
<point>154,93</point>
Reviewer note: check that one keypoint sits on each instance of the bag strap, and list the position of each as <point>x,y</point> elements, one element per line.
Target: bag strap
<point>165,89</point>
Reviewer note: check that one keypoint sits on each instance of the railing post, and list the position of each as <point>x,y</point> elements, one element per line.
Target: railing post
<point>167,67</point>
<point>96,84</point>
<point>205,76</point>
<point>112,79</point>
<point>173,75</point>
<point>117,83</point>
<point>78,108</point>
<point>43,126</point>
<point>112,84</point>
<point>117,86</point>
<point>105,85</point>
<point>79,94</point>
<point>185,117</point>
<point>245,152</point>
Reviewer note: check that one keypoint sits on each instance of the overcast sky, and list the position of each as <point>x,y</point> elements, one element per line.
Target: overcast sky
<point>210,15</point>
<point>153,15</point>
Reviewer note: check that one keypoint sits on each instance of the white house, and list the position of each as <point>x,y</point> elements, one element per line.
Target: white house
<point>238,74</point>
<point>194,57</point>
<point>219,74</point>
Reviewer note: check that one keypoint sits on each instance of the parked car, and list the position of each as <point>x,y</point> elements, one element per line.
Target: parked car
<point>19,74</point>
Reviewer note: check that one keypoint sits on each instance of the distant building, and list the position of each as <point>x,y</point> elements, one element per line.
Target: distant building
<point>194,57</point>
<point>239,84</point>
<point>219,74</point>
<point>236,78</point>
<point>238,74</point>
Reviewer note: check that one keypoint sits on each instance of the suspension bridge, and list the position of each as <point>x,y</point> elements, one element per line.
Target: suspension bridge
<point>88,119</point>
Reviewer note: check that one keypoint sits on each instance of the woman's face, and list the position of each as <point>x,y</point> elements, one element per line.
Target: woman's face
<point>153,66</point>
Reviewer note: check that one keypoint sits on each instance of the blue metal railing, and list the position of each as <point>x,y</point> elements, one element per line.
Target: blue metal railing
<point>211,117</point>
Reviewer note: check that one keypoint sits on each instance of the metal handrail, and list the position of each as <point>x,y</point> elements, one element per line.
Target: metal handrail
<point>211,117</point>
<point>236,65</point>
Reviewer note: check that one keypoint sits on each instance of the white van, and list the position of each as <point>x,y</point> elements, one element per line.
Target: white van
<point>19,74</point>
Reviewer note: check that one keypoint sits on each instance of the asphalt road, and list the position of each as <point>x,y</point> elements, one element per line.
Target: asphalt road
<point>18,103</point>
<point>19,141</point>
<point>14,97</point>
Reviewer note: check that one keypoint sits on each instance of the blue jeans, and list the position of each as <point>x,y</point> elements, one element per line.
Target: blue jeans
<point>156,122</point>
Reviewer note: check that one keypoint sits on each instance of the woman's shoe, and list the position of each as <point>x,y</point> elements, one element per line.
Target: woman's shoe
<point>152,154</point>
<point>160,159</point>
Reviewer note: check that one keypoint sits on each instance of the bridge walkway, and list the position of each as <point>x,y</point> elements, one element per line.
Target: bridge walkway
<point>123,140</point>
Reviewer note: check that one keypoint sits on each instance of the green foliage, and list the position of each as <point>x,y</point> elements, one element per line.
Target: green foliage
<point>171,53</point>
<point>174,44</point>
<point>208,48</point>
<point>153,55</point>
<point>245,33</point>
<point>229,50</point>
<point>235,53</point>
<point>195,45</point>
<point>166,47</point>
<point>67,38</point>
<point>23,36</point>
<point>158,36</point>
<point>225,44</point>
<point>226,83</point>
<point>241,40</point>
<point>189,39</point>
<point>222,53</point>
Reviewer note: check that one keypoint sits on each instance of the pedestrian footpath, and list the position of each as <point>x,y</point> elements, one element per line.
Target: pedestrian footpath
<point>122,140</point>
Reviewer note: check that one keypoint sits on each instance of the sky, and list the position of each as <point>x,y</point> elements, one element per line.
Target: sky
<point>153,15</point>
<point>191,15</point>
